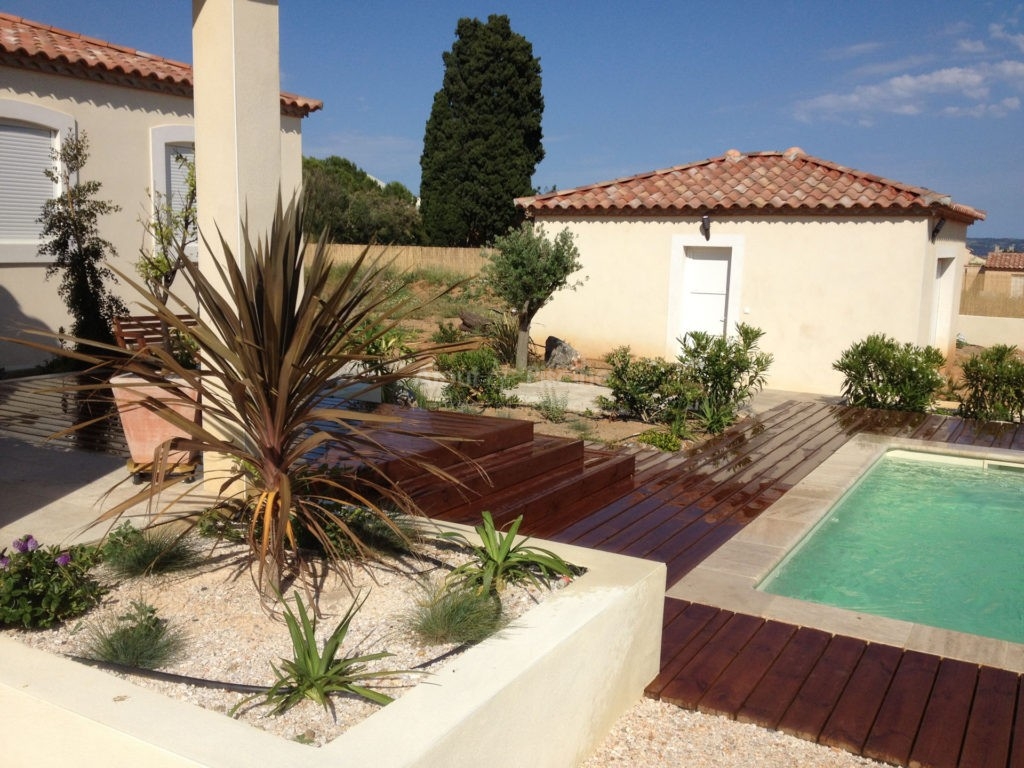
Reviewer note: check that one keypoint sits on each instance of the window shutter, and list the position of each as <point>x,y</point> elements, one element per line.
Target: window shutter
<point>177,181</point>
<point>24,155</point>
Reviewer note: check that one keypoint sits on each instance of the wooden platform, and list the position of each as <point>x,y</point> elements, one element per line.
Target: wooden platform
<point>903,707</point>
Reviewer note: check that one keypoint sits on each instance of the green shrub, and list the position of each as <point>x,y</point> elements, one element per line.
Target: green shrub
<point>474,377</point>
<point>356,532</point>
<point>499,560</point>
<point>727,370</point>
<point>43,586</point>
<point>447,333</point>
<point>993,382</point>
<point>136,639</point>
<point>455,614</point>
<point>882,373</point>
<point>651,390</point>
<point>552,405</point>
<point>663,441</point>
<point>129,551</point>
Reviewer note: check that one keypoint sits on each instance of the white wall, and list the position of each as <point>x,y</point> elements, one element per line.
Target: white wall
<point>813,284</point>
<point>120,124</point>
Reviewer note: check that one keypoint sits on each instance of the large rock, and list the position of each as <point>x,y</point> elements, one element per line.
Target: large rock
<point>560,354</point>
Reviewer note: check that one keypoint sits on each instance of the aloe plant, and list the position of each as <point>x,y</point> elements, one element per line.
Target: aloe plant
<point>499,559</point>
<point>279,346</point>
<point>316,673</point>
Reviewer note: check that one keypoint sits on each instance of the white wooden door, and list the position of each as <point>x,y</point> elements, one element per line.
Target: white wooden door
<point>706,290</point>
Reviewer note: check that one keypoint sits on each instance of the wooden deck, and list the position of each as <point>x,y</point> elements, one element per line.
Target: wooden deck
<point>902,707</point>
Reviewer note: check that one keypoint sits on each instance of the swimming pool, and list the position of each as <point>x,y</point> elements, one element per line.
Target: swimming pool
<point>925,538</point>
<point>728,578</point>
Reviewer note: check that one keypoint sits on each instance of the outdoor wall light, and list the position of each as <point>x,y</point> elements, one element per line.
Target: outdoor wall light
<point>938,228</point>
<point>705,226</point>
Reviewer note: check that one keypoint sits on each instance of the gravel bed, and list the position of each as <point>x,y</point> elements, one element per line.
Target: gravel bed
<point>655,735</point>
<point>232,639</point>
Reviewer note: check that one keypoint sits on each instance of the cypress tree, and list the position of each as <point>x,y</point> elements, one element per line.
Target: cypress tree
<point>483,138</point>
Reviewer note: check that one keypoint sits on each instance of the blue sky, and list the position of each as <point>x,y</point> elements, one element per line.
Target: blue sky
<point>926,93</point>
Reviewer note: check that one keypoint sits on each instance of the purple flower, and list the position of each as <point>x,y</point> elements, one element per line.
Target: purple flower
<point>31,544</point>
<point>5,563</point>
<point>62,559</point>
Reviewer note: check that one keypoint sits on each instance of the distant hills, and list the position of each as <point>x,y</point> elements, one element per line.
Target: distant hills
<point>983,246</point>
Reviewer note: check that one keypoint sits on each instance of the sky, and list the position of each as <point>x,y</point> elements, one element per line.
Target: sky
<point>926,93</point>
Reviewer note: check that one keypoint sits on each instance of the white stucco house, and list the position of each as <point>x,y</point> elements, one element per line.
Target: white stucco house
<point>137,110</point>
<point>816,254</point>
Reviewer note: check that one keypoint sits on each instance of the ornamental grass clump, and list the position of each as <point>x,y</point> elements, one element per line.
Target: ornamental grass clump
<point>455,614</point>
<point>43,586</point>
<point>136,638</point>
<point>129,551</point>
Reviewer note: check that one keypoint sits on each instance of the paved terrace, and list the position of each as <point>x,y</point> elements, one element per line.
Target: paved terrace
<point>881,700</point>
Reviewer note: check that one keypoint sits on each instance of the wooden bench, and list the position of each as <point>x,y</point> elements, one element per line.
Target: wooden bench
<point>139,331</point>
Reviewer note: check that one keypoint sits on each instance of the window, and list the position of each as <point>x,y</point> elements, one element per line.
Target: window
<point>24,155</point>
<point>28,134</point>
<point>1016,286</point>
<point>170,142</point>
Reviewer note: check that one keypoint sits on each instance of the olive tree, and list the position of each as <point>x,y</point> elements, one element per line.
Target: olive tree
<point>525,270</point>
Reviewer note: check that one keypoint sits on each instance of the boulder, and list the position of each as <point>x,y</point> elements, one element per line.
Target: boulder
<point>560,354</point>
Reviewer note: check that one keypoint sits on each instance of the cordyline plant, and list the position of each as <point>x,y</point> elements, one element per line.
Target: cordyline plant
<point>279,344</point>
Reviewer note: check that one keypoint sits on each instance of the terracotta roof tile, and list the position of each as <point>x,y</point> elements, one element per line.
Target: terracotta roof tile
<point>1005,260</point>
<point>32,45</point>
<point>789,181</point>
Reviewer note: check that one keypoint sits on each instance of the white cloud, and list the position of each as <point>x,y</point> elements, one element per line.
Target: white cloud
<point>998,32</point>
<point>971,46</point>
<point>972,90</point>
<point>853,51</point>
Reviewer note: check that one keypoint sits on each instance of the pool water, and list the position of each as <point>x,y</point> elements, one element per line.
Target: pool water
<point>932,542</point>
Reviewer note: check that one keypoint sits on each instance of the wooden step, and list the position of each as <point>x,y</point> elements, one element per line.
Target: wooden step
<point>493,473</point>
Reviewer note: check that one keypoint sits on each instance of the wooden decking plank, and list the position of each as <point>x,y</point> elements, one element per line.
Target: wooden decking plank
<point>929,426</point>
<point>726,695</point>
<point>850,722</point>
<point>821,690</point>
<point>987,741</point>
<point>677,633</point>
<point>1006,434</point>
<point>1016,759</point>
<point>770,699</point>
<point>697,625</point>
<point>942,729</point>
<point>694,679</point>
<point>892,735</point>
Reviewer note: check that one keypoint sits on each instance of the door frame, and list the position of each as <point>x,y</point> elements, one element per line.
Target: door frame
<point>736,244</point>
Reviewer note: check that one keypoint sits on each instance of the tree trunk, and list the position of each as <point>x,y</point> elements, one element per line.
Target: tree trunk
<point>523,343</point>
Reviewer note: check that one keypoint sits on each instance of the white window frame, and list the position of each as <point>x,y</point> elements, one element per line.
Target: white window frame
<point>23,251</point>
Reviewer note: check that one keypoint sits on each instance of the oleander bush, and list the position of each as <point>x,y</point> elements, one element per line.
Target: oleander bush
<point>992,387</point>
<point>880,372</point>
<point>728,370</point>
<point>43,586</point>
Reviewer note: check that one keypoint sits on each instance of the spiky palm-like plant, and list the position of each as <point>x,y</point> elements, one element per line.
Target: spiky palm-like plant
<point>279,346</point>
